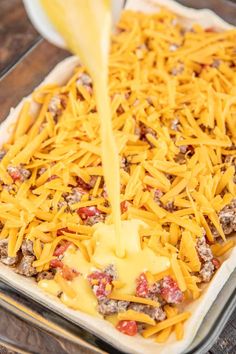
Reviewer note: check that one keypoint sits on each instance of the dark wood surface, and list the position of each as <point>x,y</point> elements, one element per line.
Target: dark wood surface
<point>17,35</point>
<point>224,8</point>
<point>29,72</point>
<point>20,44</point>
<point>35,340</point>
<point>226,343</point>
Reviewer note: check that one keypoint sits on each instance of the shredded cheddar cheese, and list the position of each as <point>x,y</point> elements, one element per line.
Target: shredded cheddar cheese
<point>140,300</point>
<point>165,324</point>
<point>131,315</point>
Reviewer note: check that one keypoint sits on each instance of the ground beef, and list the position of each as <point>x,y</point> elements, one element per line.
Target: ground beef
<point>54,105</point>
<point>175,124</point>
<point>92,220</point>
<point>183,149</point>
<point>2,154</point>
<point>227,217</point>
<point>10,261</point>
<point>180,158</point>
<point>93,181</point>
<point>207,272</point>
<point>144,130</point>
<point>111,270</point>
<point>169,206</point>
<point>86,186</point>
<point>74,196</point>
<point>178,69</point>
<point>18,173</point>
<point>25,266</point>
<point>45,275</point>
<point>216,63</point>
<point>41,171</point>
<point>204,250</point>
<point>61,204</point>
<point>214,232</point>
<point>27,248</point>
<point>9,187</point>
<point>157,313</point>
<point>109,307</point>
<point>125,164</point>
<point>230,159</point>
<point>209,263</point>
<point>157,195</point>
<point>154,290</point>
<point>84,80</point>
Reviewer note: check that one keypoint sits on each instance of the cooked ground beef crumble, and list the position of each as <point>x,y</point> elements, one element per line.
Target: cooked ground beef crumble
<point>227,217</point>
<point>18,173</point>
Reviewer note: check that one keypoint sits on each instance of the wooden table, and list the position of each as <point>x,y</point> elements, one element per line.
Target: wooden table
<point>20,44</point>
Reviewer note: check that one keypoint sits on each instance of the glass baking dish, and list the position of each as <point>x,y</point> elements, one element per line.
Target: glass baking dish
<point>50,327</point>
<point>38,321</point>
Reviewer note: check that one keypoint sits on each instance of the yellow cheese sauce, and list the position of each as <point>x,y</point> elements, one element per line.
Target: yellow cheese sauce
<point>137,260</point>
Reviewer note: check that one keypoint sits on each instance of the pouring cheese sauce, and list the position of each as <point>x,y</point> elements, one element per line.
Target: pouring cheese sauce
<point>85,26</point>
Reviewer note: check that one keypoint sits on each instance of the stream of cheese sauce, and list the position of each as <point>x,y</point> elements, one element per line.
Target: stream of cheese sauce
<point>85,26</point>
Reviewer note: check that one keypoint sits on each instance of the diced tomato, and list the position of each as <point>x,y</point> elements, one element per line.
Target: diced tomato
<point>87,212</point>
<point>101,283</point>
<point>82,184</point>
<point>124,206</point>
<point>52,178</point>
<point>55,263</point>
<point>129,328</point>
<point>81,190</point>
<point>216,263</point>
<point>16,176</point>
<point>210,29</point>
<point>69,273</point>
<point>60,232</point>
<point>208,241</point>
<point>142,286</point>
<point>61,249</point>
<point>170,291</point>
<point>205,66</point>
<point>148,188</point>
<point>190,150</point>
<point>97,275</point>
